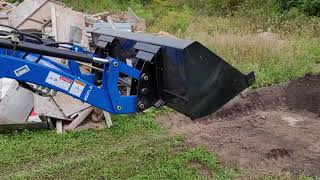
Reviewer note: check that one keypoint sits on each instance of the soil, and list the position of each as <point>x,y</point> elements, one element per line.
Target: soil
<point>266,130</point>
<point>202,169</point>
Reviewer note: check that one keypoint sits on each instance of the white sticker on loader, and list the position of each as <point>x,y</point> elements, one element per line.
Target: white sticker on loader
<point>77,88</point>
<point>59,81</point>
<point>21,71</point>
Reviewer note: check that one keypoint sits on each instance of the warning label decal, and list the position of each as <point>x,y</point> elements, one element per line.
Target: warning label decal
<point>59,81</point>
<point>77,88</point>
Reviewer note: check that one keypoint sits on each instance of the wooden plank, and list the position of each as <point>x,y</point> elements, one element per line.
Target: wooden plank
<point>37,21</point>
<point>97,115</point>
<point>108,119</point>
<point>43,14</point>
<point>27,25</point>
<point>101,14</point>
<point>23,126</point>
<point>37,10</point>
<point>110,21</point>
<point>45,106</point>
<point>81,117</point>
<point>129,63</point>
<point>54,23</point>
<point>59,126</point>
<point>69,105</point>
<point>4,21</point>
<point>16,106</point>
<point>24,10</point>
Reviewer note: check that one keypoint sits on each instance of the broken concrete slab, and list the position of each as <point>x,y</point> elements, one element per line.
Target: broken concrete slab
<point>46,106</point>
<point>62,20</point>
<point>75,34</point>
<point>16,106</point>
<point>5,85</point>
<point>69,105</point>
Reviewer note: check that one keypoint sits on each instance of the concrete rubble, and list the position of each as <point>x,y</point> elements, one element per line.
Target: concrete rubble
<point>21,108</point>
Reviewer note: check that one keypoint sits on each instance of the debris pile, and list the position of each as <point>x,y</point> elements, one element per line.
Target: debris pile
<point>21,108</point>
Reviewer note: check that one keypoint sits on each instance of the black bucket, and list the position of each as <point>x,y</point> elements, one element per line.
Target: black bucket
<point>203,79</point>
<point>189,77</point>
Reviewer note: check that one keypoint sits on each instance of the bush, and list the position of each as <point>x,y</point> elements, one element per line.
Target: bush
<point>307,7</point>
<point>175,21</point>
<point>219,7</point>
<point>256,7</point>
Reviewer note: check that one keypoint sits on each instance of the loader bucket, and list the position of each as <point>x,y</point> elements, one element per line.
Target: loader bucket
<point>186,75</point>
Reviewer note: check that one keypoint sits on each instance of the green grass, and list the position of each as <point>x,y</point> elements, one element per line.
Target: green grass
<point>275,57</point>
<point>135,148</point>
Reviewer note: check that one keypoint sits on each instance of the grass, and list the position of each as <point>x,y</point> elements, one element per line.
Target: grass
<point>275,58</point>
<point>135,148</point>
<point>278,49</point>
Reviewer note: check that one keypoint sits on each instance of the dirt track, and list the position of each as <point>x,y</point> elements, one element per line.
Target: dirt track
<point>266,130</point>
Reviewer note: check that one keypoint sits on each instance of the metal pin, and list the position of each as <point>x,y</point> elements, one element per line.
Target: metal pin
<point>100,60</point>
<point>115,64</point>
<point>119,108</point>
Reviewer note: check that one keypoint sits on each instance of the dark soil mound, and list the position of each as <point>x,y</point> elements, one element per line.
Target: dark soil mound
<point>304,94</point>
<point>266,130</point>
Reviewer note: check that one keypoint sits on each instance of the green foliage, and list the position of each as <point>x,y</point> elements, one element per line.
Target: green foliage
<point>175,21</point>
<point>220,7</point>
<point>256,7</point>
<point>96,5</point>
<point>276,68</point>
<point>204,7</point>
<point>307,7</point>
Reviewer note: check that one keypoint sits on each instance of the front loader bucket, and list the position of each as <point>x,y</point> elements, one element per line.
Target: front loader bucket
<point>185,75</point>
<point>202,82</point>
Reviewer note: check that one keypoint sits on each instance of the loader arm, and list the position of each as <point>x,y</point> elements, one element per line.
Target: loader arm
<point>26,67</point>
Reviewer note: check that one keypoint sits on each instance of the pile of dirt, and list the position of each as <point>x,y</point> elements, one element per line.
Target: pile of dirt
<point>304,94</point>
<point>266,130</point>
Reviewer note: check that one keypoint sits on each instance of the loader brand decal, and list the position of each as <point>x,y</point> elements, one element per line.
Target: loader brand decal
<point>21,71</point>
<point>59,81</point>
<point>88,93</point>
<point>77,88</point>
